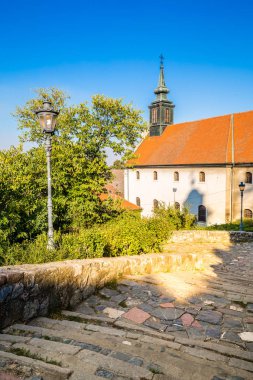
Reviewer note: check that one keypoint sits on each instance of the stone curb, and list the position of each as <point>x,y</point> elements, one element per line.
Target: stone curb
<point>51,370</point>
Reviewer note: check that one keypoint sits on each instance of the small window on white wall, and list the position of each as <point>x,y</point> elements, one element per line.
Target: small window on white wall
<point>247,214</point>
<point>138,201</point>
<point>176,176</point>
<point>248,177</point>
<point>155,176</point>
<point>202,177</point>
<point>202,213</point>
<point>137,175</point>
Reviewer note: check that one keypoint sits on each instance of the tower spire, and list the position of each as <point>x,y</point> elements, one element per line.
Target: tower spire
<point>161,109</point>
<point>161,91</point>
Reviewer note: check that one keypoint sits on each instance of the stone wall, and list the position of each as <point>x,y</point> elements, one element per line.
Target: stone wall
<point>211,236</point>
<point>28,291</point>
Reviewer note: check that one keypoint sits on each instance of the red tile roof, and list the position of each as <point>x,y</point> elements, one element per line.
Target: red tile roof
<point>124,203</point>
<point>207,141</point>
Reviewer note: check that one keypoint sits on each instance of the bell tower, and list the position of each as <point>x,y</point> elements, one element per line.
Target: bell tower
<point>161,109</point>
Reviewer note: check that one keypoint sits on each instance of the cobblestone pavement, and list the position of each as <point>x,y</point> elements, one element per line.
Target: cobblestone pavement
<point>165,326</point>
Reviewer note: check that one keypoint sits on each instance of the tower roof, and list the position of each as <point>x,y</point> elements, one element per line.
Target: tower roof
<point>162,90</point>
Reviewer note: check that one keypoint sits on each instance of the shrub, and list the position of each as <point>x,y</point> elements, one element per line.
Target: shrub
<point>235,226</point>
<point>127,234</point>
<point>174,218</point>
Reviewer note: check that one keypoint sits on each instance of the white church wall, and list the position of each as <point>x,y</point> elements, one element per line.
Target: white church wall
<point>188,191</point>
<point>240,176</point>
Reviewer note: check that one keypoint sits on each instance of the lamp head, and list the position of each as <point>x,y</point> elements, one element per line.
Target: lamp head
<point>241,186</point>
<point>47,117</point>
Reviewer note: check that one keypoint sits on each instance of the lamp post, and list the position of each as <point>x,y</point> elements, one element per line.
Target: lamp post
<point>241,187</point>
<point>47,118</point>
<point>174,193</point>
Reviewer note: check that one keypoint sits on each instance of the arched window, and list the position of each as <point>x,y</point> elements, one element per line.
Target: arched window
<point>167,115</point>
<point>177,206</point>
<point>154,115</point>
<point>247,213</point>
<point>138,201</point>
<point>155,176</point>
<point>202,177</point>
<point>248,177</point>
<point>202,214</point>
<point>176,176</point>
<point>137,175</point>
<point>155,203</point>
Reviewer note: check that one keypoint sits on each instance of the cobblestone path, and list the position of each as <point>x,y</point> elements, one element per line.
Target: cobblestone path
<point>165,326</point>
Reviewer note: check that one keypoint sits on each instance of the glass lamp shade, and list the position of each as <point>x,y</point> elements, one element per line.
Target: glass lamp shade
<point>47,117</point>
<point>241,186</point>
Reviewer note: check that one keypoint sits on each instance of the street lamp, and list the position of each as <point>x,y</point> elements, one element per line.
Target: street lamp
<point>47,118</point>
<point>241,187</point>
<point>174,193</point>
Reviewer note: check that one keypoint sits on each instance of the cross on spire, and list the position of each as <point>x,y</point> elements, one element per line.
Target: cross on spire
<point>161,90</point>
<point>161,60</point>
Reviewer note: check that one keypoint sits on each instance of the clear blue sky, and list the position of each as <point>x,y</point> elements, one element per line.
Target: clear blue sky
<point>112,47</point>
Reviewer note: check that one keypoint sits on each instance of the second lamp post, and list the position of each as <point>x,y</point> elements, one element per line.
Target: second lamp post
<point>47,118</point>
<point>241,187</point>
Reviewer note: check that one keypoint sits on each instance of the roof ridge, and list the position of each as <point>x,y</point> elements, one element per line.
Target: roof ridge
<point>230,138</point>
<point>211,117</point>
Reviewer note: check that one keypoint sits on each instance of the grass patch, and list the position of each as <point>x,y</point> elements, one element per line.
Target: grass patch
<point>20,332</point>
<point>235,226</point>
<point>155,370</point>
<point>240,303</point>
<point>76,319</point>
<point>112,284</point>
<point>123,304</point>
<point>29,354</point>
<point>46,337</point>
<point>56,315</point>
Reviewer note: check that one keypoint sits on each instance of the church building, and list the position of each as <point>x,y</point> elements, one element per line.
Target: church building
<point>198,164</point>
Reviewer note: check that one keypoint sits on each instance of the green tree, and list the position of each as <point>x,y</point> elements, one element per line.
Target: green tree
<point>79,167</point>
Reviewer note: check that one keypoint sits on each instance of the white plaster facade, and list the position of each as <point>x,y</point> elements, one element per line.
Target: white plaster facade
<point>214,193</point>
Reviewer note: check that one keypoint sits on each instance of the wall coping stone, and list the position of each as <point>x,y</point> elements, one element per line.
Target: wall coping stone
<point>210,236</point>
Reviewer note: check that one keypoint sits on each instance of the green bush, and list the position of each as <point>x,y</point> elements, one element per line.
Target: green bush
<point>174,218</point>
<point>126,234</point>
<point>132,235</point>
<point>235,226</point>
<point>85,244</point>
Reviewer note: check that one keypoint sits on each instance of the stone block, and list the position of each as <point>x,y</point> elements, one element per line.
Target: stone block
<point>250,307</point>
<point>113,313</point>
<point>187,319</point>
<point>14,276</point>
<point>3,279</point>
<point>76,298</point>
<point>17,290</point>
<point>5,291</point>
<point>136,315</point>
<point>31,309</point>
<point>166,305</point>
<point>105,330</point>
<point>246,336</point>
<point>205,354</point>
<point>242,364</point>
<point>213,317</point>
